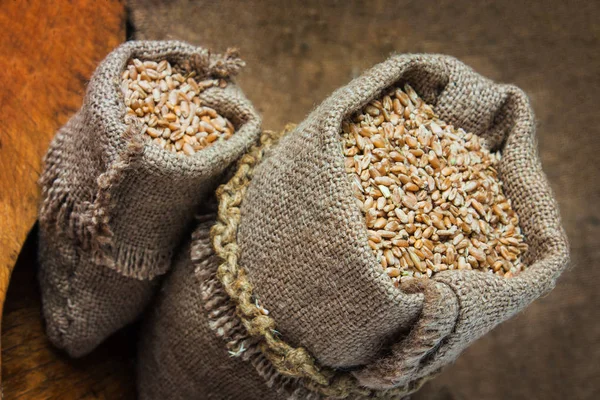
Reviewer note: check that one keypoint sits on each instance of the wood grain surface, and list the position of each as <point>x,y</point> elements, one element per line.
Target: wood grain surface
<point>48,51</point>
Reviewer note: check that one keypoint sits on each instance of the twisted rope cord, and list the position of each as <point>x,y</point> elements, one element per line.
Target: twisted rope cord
<point>295,362</point>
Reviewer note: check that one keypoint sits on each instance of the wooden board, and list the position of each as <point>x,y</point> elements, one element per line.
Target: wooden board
<point>48,51</point>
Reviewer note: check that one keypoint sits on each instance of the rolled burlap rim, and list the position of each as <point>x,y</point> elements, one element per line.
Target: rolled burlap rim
<point>289,362</point>
<point>89,220</point>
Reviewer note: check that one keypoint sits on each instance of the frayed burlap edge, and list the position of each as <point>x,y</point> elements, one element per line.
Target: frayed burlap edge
<point>88,224</point>
<point>223,319</point>
<point>247,328</point>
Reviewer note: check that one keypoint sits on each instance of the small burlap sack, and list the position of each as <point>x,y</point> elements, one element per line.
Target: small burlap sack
<point>116,206</point>
<point>290,239</point>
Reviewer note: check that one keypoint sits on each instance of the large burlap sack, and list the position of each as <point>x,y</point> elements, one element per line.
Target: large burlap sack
<point>116,207</point>
<point>296,292</point>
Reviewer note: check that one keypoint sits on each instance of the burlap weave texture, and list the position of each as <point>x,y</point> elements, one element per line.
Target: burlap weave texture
<point>115,206</point>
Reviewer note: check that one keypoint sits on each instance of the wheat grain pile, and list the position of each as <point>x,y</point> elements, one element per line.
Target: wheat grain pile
<point>430,192</point>
<point>165,99</point>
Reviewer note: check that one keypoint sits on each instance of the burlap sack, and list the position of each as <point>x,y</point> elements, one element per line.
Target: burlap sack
<point>116,206</point>
<point>290,239</point>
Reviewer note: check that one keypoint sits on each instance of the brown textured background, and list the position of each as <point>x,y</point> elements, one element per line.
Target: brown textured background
<point>298,52</point>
